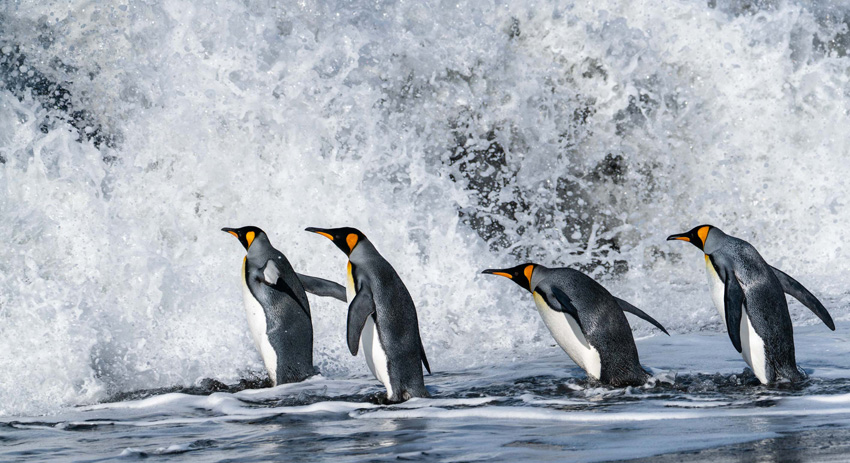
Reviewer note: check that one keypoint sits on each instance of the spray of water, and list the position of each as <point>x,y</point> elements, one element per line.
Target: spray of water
<point>457,135</point>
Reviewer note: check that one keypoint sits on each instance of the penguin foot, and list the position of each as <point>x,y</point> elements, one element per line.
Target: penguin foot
<point>379,398</point>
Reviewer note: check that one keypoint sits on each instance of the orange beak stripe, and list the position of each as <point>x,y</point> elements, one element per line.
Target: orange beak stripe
<point>503,274</point>
<point>684,238</point>
<point>234,233</point>
<point>326,235</point>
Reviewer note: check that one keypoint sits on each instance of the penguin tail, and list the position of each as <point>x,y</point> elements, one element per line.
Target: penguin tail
<point>423,357</point>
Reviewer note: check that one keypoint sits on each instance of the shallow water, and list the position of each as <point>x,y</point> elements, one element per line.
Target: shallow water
<point>540,409</point>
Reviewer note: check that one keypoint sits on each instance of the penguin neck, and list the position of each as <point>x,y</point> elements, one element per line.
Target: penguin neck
<point>714,241</point>
<point>538,275</point>
<point>260,247</point>
<point>362,252</point>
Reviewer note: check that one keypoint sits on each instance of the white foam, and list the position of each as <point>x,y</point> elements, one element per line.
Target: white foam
<point>788,407</point>
<point>115,277</point>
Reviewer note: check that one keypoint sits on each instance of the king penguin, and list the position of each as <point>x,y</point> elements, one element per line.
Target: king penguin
<point>748,293</point>
<point>277,307</point>
<point>381,317</point>
<point>585,320</point>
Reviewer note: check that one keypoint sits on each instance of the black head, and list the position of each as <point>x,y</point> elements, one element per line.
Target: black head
<point>246,235</point>
<point>521,274</point>
<point>345,238</point>
<point>696,236</point>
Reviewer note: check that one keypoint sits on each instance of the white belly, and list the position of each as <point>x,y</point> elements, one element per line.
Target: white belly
<point>752,346</point>
<point>370,343</point>
<point>257,325</point>
<point>568,335</point>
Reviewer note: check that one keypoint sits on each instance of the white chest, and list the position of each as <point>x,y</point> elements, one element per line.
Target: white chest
<point>370,343</point>
<point>568,335</point>
<point>752,346</point>
<point>257,325</point>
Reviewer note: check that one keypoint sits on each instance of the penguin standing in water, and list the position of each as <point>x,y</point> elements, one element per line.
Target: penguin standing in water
<point>277,307</point>
<point>381,317</point>
<point>748,293</point>
<point>585,320</point>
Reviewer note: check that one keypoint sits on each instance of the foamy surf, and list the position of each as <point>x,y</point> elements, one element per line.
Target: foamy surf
<point>538,409</point>
<point>458,136</point>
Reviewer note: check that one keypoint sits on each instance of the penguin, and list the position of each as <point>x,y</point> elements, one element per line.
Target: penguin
<point>381,317</point>
<point>749,294</point>
<point>277,307</point>
<point>585,320</point>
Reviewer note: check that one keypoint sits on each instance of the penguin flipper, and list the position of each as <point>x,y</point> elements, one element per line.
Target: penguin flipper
<point>567,307</point>
<point>272,277</point>
<point>733,300</point>
<point>321,287</point>
<point>799,292</point>
<point>422,355</point>
<point>362,307</point>
<point>626,307</point>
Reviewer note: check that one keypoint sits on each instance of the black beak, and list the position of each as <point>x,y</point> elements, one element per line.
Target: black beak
<point>229,230</point>
<point>321,231</point>
<point>680,236</point>
<point>500,272</point>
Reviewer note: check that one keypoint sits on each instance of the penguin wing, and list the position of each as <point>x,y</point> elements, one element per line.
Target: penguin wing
<point>626,307</point>
<point>271,272</point>
<point>361,308</point>
<point>566,306</point>
<point>272,277</point>
<point>733,300</point>
<point>799,292</point>
<point>321,287</point>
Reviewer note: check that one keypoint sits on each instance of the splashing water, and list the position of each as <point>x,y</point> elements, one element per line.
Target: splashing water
<point>457,135</point>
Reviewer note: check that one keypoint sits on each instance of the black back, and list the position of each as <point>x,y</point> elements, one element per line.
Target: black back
<point>603,323</point>
<point>288,323</point>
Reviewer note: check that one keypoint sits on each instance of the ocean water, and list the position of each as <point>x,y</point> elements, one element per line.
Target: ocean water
<point>458,136</point>
<point>537,409</point>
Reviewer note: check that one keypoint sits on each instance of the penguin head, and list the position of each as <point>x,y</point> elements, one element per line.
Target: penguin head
<point>246,235</point>
<point>521,274</point>
<point>345,238</point>
<point>696,236</point>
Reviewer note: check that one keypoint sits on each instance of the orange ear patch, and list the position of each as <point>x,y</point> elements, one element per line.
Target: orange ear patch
<point>351,240</point>
<point>249,237</point>
<point>703,234</point>
<point>528,271</point>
